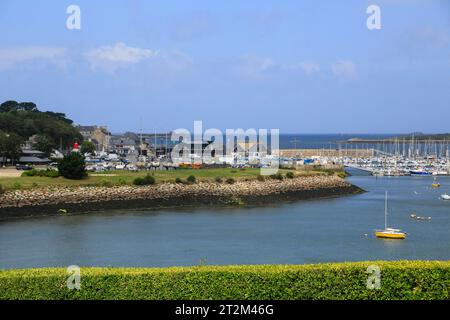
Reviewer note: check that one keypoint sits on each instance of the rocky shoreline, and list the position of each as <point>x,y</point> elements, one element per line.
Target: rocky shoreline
<point>66,200</point>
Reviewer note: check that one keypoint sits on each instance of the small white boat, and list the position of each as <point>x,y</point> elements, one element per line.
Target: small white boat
<point>440,173</point>
<point>445,197</point>
<point>416,217</point>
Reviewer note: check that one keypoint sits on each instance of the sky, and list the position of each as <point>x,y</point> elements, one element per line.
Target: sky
<point>299,66</point>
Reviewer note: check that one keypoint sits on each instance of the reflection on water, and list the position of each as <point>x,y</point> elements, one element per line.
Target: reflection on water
<point>339,229</point>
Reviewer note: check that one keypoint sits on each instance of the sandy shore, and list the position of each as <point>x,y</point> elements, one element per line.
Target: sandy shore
<point>59,200</point>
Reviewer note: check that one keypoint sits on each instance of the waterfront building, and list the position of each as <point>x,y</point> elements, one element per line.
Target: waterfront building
<point>98,135</point>
<point>33,157</point>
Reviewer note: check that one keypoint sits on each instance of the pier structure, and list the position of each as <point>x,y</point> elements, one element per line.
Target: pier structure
<point>407,147</point>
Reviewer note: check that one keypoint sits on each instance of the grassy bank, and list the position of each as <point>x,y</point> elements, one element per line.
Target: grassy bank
<point>399,280</point>
<point>111,178</point>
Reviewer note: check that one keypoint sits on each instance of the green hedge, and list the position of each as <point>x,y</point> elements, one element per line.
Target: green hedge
<point>147,180</point>
<point>41,173</point>
<point>399,280</point>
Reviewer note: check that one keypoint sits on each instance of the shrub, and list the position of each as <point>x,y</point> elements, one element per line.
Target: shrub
<point>147,180</point>
<point>191,179</point>
<point>230,181</point>
<point>51,173</point>
<point>29,173</point>
<point>261,178</point>
<point>290,175</point>
<point>277,176</point>
<point>218,179</point>
<point>41,173</point>
<point>337,281</point>
<point>73,166</point>
<point>179,180</point>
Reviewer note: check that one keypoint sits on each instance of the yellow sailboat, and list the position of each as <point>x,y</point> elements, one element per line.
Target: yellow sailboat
<point>435,184</point>
<point>389,233</point>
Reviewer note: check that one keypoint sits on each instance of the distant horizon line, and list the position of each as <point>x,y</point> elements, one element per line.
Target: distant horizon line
<point>308,133</point>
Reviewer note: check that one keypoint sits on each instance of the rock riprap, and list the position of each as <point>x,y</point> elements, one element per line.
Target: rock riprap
<point>178,194</point>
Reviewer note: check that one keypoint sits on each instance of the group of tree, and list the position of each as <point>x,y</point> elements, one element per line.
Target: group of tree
<point>87,147</point>
<point>72,166</point>
<point>10,146</point>
<point>21,120</point>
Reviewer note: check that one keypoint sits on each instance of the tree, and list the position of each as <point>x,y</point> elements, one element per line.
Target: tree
<point>45,144</point>
<point>72,166</point>
<point>8,106</point>
<point>25,120</point>
<point>12,105</point>
<point>10,146</point>
<point>27,106</point>
<point>87,147</point>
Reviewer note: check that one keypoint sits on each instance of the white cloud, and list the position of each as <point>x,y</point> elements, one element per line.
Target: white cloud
<point>344,70</point>
<point>13,57</point>
<point>111,58</point>
<point>257,66</point>
<point>308,68</point>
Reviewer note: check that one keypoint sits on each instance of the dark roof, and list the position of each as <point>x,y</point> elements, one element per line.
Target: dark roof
<point>87,128</point>
<point>27,152</point>
<point>34,160</point>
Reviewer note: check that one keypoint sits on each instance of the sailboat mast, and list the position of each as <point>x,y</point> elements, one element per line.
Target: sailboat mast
<point>385,210</point>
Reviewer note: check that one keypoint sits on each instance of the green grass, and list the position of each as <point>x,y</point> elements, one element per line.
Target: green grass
<point>112,178</point>
<point>399,280</point>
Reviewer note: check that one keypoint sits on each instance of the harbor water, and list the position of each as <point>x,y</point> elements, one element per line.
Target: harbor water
<point>312,231</point>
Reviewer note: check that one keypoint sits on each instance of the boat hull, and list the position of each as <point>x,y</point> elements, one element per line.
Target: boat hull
<point>414,173</point>
<point>389,235</point>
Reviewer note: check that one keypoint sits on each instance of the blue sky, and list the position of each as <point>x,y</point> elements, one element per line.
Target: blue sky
<point>301,66</point>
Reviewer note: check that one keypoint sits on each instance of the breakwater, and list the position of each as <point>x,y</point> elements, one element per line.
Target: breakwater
<point>61,200</point>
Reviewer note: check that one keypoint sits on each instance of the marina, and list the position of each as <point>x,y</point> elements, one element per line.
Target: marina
<point>379,155</point>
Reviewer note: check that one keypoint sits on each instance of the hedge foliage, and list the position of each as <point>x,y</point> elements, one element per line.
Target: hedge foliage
<point>41,173</point>
<point>399,280</point>
<point>145,181</point>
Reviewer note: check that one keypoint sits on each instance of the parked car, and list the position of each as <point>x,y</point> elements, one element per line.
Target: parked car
<point>23,167</point>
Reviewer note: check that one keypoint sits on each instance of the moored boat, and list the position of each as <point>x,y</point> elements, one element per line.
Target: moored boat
<point>389,233</point>
<point>420,172</point>
<point>445,197</point>
<point>435,184</point>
